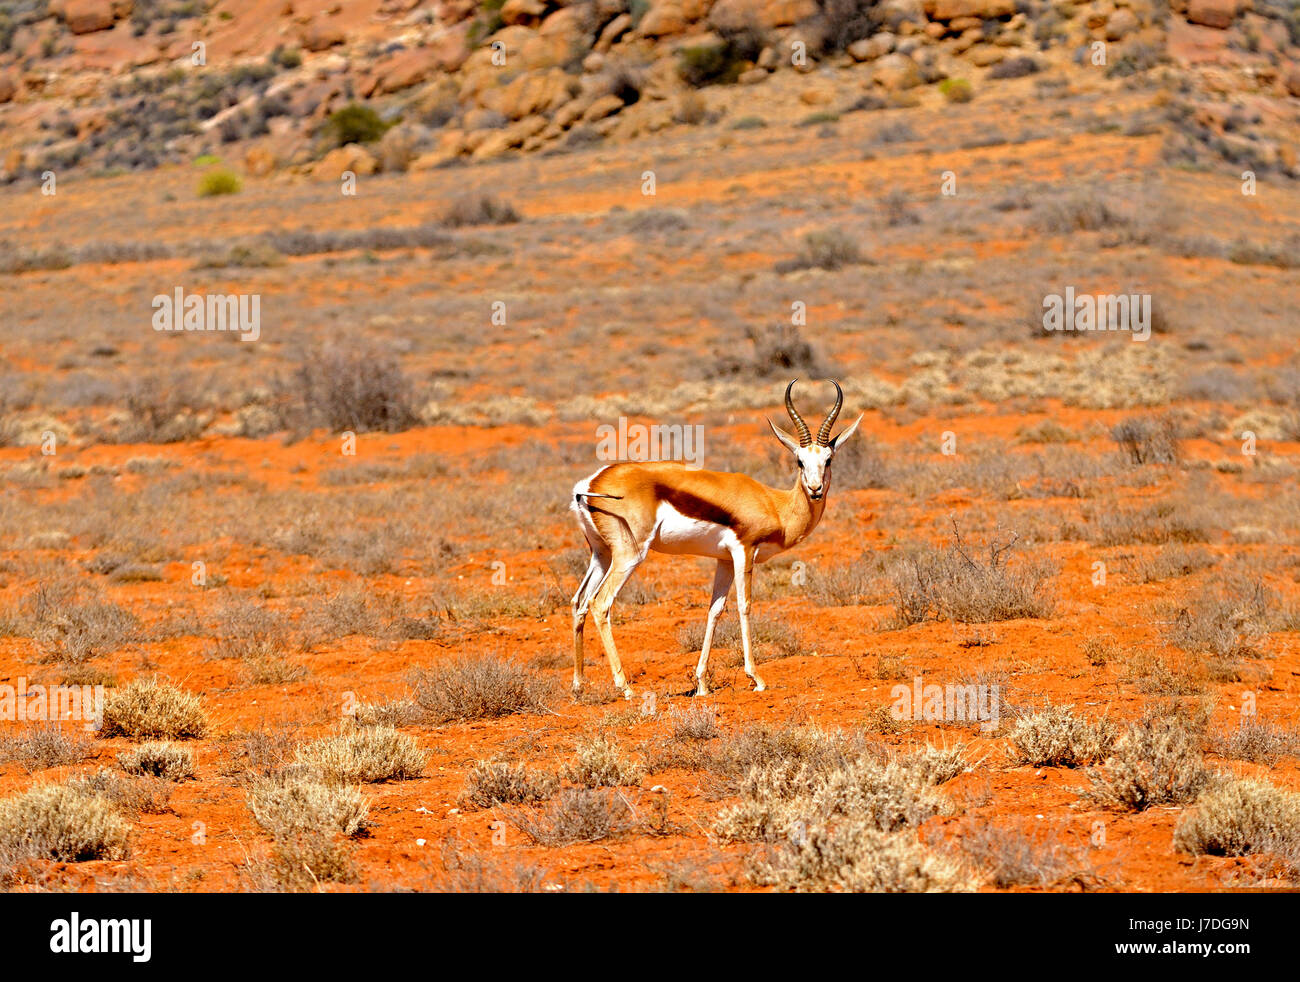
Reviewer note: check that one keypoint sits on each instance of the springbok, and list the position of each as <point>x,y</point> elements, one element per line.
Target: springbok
<point>628,509</point>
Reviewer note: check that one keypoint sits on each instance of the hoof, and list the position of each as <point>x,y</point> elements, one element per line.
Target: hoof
<point>759,685</point>
<point>577,687</point>
<point>627,692</point>
<point>702,690</point>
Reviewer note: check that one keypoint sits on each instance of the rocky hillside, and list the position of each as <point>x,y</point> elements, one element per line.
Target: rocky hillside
<point>320,87</point>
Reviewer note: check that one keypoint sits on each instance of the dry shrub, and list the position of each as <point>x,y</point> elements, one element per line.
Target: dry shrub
<point>45,746</point>
<point>476,873</point>
<point>1156,761</point>
<point>1144,440</point>
<point>860,783</point>
<point>170,761</point>
<point>1055,737</point>
<point>858,582</point>
<point>151,710</point>
<point>1172,561</point>
<point>69,822</point>
<point>699,722</point>
<point>72,630</point>
<point>365,754</point>
<point>1154,524</point>
<point>854,857</point>
<point>298,800</point>
<point>1018,855</point>
<point>1258,742</point>
<point>828,249</point>
<point>355,386</point>
<point>950,584</point>
<point>309,820</point>
<point>576,815</point>
<point>601,763</point>
<point>399,712</point>
<point>479,209</point>
<point>498,782</point>
<point>1237,817</point>
<point>1226,620</point>
<point>478,687</point>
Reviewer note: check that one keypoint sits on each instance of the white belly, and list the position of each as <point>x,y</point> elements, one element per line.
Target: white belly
<point>676,533</point>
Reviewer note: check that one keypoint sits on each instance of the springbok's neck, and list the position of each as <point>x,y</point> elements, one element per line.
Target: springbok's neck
<point>800,513</point>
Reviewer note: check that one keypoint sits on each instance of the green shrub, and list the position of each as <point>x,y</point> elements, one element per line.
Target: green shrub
<point>218,181</point>
<point>355,123</point>
<point>956,90</point>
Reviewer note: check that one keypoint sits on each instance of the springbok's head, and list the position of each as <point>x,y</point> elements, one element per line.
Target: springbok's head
<point>814,455</point>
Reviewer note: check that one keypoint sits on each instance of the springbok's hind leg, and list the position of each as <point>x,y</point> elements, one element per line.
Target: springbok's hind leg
<point>722,579</point>
<point>624,560</point>
<point>596,570</point>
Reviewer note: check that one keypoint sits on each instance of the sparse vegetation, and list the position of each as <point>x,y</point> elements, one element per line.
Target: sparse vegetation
<point>148,709</point>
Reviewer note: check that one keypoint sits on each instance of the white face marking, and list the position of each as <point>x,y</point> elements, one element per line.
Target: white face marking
<point>814,473</point>
<point>677,533</point>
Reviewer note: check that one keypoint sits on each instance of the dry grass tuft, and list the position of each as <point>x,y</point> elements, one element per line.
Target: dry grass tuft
<point>1055,737</point>
<point>950,584</point>
<point>1237,817</point>
<point>159,759</point>
<point>309,820</point>
<point>1019,855</point>
<point>861,784</point>
<point>68,822</point>
<point>1156,761</point>
<point>45,746</point>
<point>601,763</point>
<point>576,815</point>
<point>498,782</point>
<point>365,754</point>
<point>151,710</point>
<point>854,857</point>
<point>482,687</point>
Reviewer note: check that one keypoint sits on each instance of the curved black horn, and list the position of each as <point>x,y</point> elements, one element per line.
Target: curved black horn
<point>824,434</point>
<point>805,437</point>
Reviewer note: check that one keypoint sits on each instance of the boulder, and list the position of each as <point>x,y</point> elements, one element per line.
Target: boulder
<point>522,11</point>
<point>450,49</point>
<point>87,16</point>
<point>8,87</point>
<point>606,105</point>
<point>1121,24</point>
<point>533,92</point>
<point>405,69</point>
<point>983,9</point>
<point>612,31</point>
<point>869,49</point>
<point>259,162</point>
<point>734,15</point>
<point>896,72</point>
<point>664,18</point>
<point>1290,80</point>
<point>321,35</point>
<point>1212,13</point>
<point>353,157</point>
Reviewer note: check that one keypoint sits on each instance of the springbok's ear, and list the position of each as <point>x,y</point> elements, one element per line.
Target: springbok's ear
<point>845,433</point>
<point>790,442</point>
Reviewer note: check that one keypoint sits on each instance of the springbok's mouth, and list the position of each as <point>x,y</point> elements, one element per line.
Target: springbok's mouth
<point>815,495</point>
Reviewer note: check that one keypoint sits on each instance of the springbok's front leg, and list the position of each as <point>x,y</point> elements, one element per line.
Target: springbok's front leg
<point>721,587</point>
<point>743,569</point>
